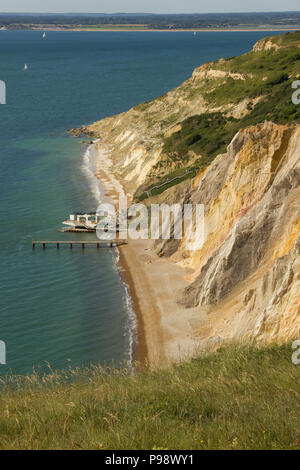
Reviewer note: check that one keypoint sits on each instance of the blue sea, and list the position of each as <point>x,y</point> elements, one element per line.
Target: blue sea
<point>62,307</point>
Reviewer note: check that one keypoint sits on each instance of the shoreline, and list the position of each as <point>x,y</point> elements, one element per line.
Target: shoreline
<point>140,351</point>
<point>165,330</point>
<point>112,189</point>
<point>142,30</point>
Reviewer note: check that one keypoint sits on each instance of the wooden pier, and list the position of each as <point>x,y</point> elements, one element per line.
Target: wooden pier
<point>77,230</point>
<point>82,243</point>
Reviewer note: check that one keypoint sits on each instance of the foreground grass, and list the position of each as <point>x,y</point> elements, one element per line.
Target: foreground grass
<point>236,398</point>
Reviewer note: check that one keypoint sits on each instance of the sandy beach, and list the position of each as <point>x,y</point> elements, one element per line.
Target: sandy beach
<point>165,330</point>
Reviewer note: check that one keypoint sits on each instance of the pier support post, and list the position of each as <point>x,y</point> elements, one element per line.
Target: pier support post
<point>83,243</point>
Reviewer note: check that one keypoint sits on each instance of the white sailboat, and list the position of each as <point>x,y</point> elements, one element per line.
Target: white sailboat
<point>44,35</point>
<point>25,67</point>
<point>195,33</point>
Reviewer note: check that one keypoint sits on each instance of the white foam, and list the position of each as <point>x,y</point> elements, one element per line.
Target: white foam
<point>88,168</point>
<point>131,324</point>
<point>93,159</point>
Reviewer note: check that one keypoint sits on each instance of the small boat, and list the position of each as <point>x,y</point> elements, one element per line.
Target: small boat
<point>25,67</point>
<point>195,33</point>
<point>44,35</point>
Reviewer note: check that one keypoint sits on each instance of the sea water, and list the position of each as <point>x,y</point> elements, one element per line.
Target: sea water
<point>69,307</point>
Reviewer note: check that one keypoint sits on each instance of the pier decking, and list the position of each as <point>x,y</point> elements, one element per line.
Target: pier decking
<point>82,243</point>
<point>77,230</point>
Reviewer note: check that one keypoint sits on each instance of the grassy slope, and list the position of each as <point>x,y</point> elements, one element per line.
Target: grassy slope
<point>236,398</point>
<point>268,73</point>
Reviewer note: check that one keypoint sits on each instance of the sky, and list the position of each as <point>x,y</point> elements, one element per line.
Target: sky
<point>147,6</point>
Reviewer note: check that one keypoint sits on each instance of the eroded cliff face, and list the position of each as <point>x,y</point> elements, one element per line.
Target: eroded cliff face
<point>245,279</point>
<point>134,139</point>
<point>247,272</point>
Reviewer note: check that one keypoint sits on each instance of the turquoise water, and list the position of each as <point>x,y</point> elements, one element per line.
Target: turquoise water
<point>60,306</point>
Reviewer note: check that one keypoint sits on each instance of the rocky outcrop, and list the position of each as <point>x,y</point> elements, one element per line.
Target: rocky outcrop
<point>276,43</point>
<point>265,45</point>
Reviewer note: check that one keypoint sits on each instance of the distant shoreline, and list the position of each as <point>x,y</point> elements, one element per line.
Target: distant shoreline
<point>191,30</point>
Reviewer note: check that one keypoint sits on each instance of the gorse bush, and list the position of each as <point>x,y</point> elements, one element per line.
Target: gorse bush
<point>204,134</point>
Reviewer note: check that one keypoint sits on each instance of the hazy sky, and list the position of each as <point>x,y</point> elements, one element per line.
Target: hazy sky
<point>152,6</point>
